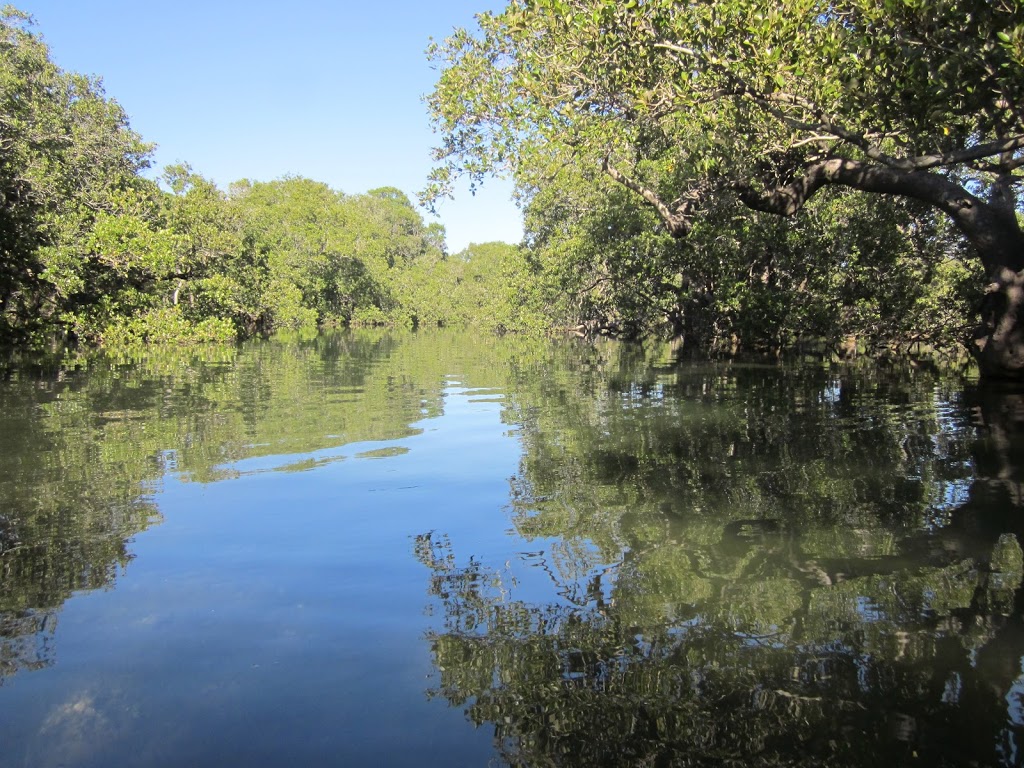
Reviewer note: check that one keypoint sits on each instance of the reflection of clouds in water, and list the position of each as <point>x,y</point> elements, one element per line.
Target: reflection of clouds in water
<point>77,716</point>
<point>80,730</point>
<point>72,732</point>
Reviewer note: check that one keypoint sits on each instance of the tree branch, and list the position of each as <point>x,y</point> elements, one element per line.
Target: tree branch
<point>924,162</point>
<point>992,229</point>
<point>789,199</point>
<point>676,218</point>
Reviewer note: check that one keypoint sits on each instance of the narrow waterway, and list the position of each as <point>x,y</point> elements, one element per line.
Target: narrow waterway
<point>441,549</point>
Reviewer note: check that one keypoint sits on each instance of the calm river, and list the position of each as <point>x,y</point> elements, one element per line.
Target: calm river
<point>439,550</point>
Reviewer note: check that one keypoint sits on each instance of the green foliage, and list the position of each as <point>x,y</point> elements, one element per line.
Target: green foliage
<point>166,325</point>
<point>603,78</point>
<point>334,258</point>
<point>560,94</point>
<point>883,270</point>
<point>701,112</point>
<point>93,252</point>
<point>487,285</point>
<point>70,167</point>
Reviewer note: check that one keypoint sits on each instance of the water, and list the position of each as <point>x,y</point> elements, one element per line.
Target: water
<point>436,549</point>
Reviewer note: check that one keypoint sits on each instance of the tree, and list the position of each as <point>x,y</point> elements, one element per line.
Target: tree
<point>767,103</point>
<point>328,257</point>
<point>499,288</point>
<point>79,239</point>
<point>881,270</point>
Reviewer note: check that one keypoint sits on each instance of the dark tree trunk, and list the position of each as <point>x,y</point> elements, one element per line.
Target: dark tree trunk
<point>999,340</point>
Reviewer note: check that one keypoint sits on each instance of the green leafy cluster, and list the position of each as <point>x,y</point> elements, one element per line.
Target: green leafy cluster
<point>629,125</point>
<point>95,252</point>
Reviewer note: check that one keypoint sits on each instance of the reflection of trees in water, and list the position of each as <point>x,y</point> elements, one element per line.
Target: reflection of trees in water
<point>82,452</point>
<point>790,570</point>
<point>26,640</point>
<point>70,499</point>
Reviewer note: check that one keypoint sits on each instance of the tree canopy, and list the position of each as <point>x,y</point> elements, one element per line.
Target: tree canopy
<point>654,145</point>
<point>763,104</point>
<point>95,252</point>
<point>70,163</point>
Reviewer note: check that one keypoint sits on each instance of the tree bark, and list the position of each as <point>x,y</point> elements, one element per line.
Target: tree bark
<point>999,340</point>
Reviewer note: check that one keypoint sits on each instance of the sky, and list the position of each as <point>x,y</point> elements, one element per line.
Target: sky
<point>327,89</point>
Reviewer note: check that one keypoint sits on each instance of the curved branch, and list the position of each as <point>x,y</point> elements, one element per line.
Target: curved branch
<point>676,218</point>
<point>788,199</point>
<point>990,149</point>
<point>993,231</point>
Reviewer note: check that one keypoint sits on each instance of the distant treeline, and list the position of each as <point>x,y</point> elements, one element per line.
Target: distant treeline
<point>94,252</point>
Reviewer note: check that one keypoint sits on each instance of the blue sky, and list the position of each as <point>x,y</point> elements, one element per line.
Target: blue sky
<point>259,90</point>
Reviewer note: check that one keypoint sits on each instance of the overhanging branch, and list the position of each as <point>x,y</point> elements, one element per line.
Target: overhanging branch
<point>789,199</point>
<point>992,229</point>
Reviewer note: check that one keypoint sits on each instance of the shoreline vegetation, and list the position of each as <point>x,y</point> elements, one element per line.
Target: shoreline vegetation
<point>759,172</point>
<point>98,255</point>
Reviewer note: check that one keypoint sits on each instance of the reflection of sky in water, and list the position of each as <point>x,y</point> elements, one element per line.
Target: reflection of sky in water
<point>1015,718</point>
<point>276,618</point>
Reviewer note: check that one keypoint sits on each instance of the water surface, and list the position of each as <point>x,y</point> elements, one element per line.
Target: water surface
<point>436,549</point>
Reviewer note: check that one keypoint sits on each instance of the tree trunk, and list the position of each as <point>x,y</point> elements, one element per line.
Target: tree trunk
<point>994,232</point>
<point>999,340</point>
